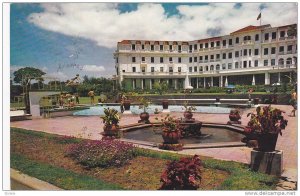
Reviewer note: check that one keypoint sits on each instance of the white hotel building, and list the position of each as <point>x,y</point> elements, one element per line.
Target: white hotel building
<point>252,55</point>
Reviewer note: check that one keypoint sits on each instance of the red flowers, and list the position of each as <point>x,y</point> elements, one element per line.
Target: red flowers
<point>182,175</point>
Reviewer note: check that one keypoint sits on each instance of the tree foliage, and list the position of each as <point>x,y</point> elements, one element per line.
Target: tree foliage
<point>24,75</point>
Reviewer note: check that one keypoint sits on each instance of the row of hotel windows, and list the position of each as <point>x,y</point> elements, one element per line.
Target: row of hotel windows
<point>241,64</point>
<point>217,44</point>
<point>245,52</point>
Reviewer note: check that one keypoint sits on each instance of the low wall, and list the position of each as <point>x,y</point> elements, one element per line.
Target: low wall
<point>282,99</point>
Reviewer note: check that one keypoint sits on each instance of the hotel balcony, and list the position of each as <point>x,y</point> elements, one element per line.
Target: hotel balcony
<point>248,42</point>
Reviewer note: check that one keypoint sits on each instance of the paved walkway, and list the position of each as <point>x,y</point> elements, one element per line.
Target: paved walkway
<point>90,127</point>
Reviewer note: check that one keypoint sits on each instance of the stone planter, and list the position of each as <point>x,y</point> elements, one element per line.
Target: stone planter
<point>172,137</point>
<point>165,104</point>
<point>267,142</point>
<point>126,105</point>
<point>188,115</point>
<point>111,130</point>
<point>144,116</point>
<point>234,117</point>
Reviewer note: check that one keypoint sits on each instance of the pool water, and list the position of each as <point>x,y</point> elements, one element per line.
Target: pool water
<point>209,135</point>
<point>99,110</point>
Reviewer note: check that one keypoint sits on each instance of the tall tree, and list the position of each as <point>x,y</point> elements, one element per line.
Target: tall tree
<point>24,76</point>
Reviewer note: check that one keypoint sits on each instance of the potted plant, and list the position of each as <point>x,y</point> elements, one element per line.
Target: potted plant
<point>165,104</point>
<point>171,129</point>
<point>188,113</point>
<point>111,120</point>
<point>144,105</point>
<point>234,115</point>
<point>265,126</point>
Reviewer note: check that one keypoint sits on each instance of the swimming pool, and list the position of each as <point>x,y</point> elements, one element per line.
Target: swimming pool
<point>99,110</point>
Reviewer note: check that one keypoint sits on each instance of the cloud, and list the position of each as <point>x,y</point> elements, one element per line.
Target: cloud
<point>106,25</point>
<point>93,68</point>
<point>14,68</point>
<point>57,76</point>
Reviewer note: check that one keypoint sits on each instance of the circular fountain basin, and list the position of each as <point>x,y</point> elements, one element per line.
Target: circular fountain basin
<point>99,110</point>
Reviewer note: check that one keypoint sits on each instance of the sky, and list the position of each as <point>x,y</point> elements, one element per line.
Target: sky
<point>65,39</point>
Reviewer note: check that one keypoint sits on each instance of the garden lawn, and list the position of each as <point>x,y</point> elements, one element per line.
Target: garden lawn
<point>39,154</point>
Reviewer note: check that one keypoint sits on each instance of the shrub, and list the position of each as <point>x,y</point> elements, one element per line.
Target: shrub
<point>182,175</point>
<point>102,153</point>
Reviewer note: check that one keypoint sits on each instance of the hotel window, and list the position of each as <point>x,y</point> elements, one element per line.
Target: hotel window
<point>143,69</point>
<point>218,43</point>
<point>195,69</point>
<point>282,33</point>
<point>179,59</point>
<point>143,59</point>
<point>161,69</point>
<point>212,44</point>
<point>171,69</point>
<point>143,47</point>
<point>236,54</point>
<point>179,69</point>
<point>273,50</point>
<point>191,48</point>
<point>133,69</point>
<point>195,46</point>
<point>179,48</point>
<point>123,71</point>
<point>236,65</point>
<point>224,55</point>
<point>223,66</point>
<point>230,42</point>
<point>230,55</point>
<point>200,69</point>
<point>290,48</point>
<point>201,45</point>
<point>170,59</point>
<point>245,52</point>
<point>256,63</point>
<point>266,51</point>
<point>133,59</point>
<point>250,52</point>
<point>161,59</point>
<point>266,36</point>
<point>272,62</point>
<point>132,47</point>
<point>257,37</point>
<point>195,59</point>
<point>191,59</point>
<point>117,60</point>
<point>212,56</point>
<point>281,49</point>
<point>273,35</point>
<point>256,51</point>
<point>161,47</point>
<point>152,59</point>
<point>152,69</point>
<point>249,63</point>
<point>245,64</point>
<point>229,65</point>
<point>218,57</point>
<point>152,47</point>
<point>170,47</point>
<point>200,58</point>
<point>237,40</point>
<point>224,42</point>
<point>190,69</point>
<point>206,57</point>
<point>206,45</point>
<point>266,62</point>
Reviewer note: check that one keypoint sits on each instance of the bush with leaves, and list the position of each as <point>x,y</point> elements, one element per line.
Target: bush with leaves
<point>182,175</point>
<point>102,153</point>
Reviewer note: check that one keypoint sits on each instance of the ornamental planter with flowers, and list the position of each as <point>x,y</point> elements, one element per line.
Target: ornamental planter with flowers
<point>111,121</point>
<point>234,117</point>
<point>265,126</point>
<point>188,113</point>
<point>171,133</point>
<point>144,116</point>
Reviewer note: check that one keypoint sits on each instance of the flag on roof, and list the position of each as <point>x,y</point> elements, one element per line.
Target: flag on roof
<point>259,16</point>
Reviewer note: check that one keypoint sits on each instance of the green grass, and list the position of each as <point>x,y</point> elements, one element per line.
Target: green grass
<point>241,177</point>
<point>60,177</point>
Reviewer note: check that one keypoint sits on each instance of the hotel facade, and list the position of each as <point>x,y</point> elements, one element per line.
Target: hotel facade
<point>254,55</point>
